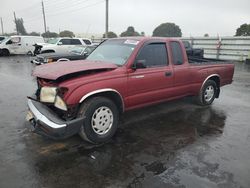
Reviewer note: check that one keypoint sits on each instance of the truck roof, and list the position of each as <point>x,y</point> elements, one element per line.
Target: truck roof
<point>140,38</point>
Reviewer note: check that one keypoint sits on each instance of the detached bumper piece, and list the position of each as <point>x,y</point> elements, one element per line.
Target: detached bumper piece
<point>46,122</point>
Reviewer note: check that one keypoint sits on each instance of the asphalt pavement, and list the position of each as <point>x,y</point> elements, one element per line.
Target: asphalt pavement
<point>171,145</point>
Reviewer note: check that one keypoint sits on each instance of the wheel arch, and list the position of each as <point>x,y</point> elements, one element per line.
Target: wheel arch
<point>216,78</point>
<point>62,59</point>
<point>48,51</point>
<point>112,94</point>
<point>6,49</point>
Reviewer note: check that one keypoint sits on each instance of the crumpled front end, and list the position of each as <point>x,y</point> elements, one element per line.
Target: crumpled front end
<point>46,122</point>
<point>49,115</point>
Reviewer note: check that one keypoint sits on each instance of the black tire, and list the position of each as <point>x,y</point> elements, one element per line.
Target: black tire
<point>203,99</point>
<point>29,53</point>
<point>5,52</point>
<point>89,109</point>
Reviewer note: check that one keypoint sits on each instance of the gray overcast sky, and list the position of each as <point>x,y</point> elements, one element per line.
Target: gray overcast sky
<point>195,17</point>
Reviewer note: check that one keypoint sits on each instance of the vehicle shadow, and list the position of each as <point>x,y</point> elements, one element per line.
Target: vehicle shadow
<point>146,141</point>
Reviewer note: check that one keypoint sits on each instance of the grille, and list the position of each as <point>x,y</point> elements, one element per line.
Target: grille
<point>40,59</point>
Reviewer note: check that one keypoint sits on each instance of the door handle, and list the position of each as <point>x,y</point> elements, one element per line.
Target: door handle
<point>168,73</point>
<point>139,76</point>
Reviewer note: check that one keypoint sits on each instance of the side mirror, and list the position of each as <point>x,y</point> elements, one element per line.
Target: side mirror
<point>139,64</point>
<point>59,43</point>
<point>9,42</point>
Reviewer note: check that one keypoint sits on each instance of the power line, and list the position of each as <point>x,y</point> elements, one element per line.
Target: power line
<point>56,2</point>
<point>63,6</point>
<point>28,8</point>
<point>66,8</point>
<point>74,10</point>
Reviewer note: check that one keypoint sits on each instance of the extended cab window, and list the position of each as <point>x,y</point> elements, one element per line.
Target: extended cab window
<point>75,42</point>
<point>176,53</point>
<point>152,55</point>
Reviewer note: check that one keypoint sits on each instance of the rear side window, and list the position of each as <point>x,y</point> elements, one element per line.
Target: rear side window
<point>176,53</point>
<point>75,42</point>
<point>65,41</point>
<point>86,41</point>
<point>153,55</point>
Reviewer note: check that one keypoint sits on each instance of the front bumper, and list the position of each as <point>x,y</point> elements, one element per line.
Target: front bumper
<point>34,61</point>
<point>46,122</point>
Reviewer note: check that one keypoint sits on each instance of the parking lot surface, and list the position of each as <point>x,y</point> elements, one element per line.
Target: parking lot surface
<point>175,144</point>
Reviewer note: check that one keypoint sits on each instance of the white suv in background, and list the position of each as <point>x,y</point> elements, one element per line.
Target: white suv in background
<point>62,45</point>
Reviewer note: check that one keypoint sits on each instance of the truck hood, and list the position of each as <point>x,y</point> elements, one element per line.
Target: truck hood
<point>41,44</point>
<point>47,45</point>
<point>56,55</point>
<point>55,71</point>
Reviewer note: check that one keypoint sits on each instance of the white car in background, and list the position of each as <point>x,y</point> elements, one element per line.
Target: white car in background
<point>61,45</point>
<point>19,45</point>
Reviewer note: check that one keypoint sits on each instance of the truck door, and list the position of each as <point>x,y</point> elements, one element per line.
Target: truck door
<point>64,45</point>
<point>16,45</point>
<point>182,74</point>
<point>75,43</point>
<point>152,76</point>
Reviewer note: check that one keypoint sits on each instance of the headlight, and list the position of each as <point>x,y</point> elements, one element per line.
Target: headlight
<point>48,94</point>
<point>59,103</point>
<point>48,60</point>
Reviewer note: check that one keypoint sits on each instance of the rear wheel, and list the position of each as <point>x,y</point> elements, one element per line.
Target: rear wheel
<point>207,93</point>
<point>101,119</point>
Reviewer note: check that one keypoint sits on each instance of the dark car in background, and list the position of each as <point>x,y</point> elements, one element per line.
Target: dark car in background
<point>77,53</point>
<point>193,52</point>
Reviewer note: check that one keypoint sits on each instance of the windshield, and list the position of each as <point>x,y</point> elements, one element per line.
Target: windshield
<point>4,40</point>
<point>52,41</point>
<point>116,51</point>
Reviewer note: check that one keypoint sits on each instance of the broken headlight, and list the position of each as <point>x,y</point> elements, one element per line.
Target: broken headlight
<point>59,103</point>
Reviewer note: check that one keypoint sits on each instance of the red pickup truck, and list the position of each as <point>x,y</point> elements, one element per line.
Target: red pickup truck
<point>88,96</point>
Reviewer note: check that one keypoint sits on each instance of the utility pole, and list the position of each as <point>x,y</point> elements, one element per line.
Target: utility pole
<point>2,25</point>
<point>16,23</point>
<point>44,20</point>
<point>107,19</point>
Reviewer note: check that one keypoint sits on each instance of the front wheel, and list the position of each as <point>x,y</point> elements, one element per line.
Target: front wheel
<point>5,52</point>
<point>101,119</point>
<point>207,93</point>
<point>29,53</point>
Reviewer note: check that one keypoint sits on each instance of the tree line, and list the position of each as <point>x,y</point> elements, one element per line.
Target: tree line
<point>163,30</point>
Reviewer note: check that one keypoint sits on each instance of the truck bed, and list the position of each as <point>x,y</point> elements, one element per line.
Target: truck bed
<point>198,61</point>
